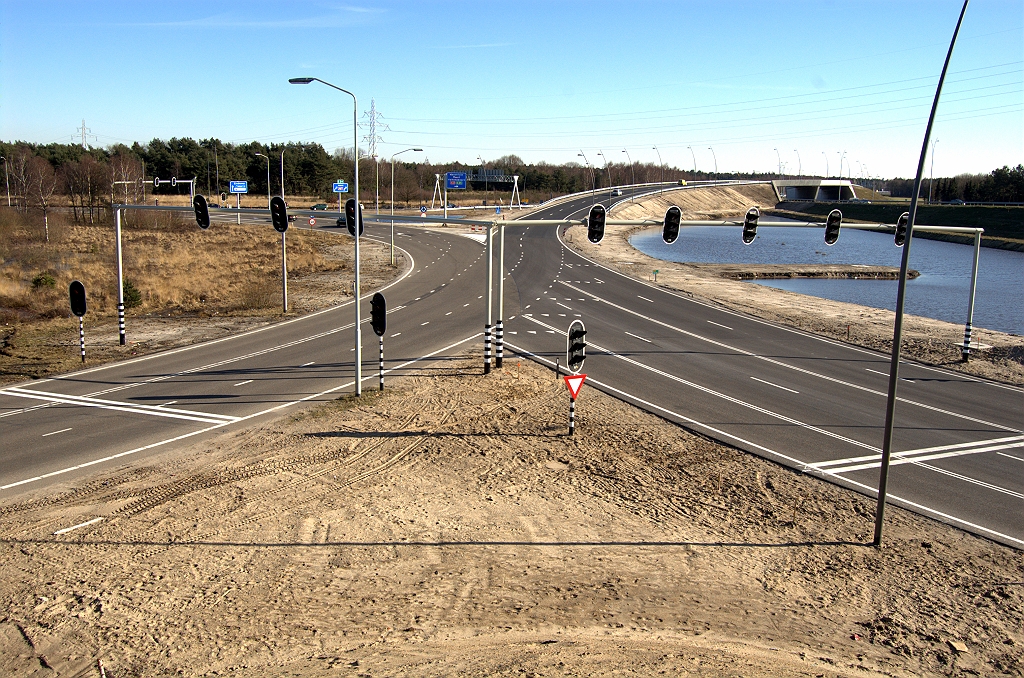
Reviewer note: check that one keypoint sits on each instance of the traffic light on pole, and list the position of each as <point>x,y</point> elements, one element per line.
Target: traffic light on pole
<point>576,346</point>
<point>279,214</point>
<point>350,216</point>
<point>202,211</point>
<point>901,229</point>
<point>378,314</point>
<point>76,294</point>
<point>750,225</point>
<point>595,224</point>
<point>670,231</point>
<point>832,223</point>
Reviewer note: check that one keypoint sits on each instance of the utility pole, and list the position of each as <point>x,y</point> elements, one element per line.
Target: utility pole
<point>372,138</point>
<point>84,130</point>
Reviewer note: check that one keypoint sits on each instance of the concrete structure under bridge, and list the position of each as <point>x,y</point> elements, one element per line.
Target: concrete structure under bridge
<point>814,190</point>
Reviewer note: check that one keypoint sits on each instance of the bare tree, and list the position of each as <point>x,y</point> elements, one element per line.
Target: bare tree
<point>125,177</point>
<point>42,183</point>
<point>20,176</point>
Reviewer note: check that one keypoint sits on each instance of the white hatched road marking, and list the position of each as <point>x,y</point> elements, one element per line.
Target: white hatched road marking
<point>775,385</point>
<point>154,410</point>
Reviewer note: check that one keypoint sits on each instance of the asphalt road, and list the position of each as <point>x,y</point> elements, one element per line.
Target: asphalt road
<point>806,402</point>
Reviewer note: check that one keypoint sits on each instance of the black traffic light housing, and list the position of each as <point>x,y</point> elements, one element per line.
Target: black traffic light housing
<point>670,231</point>
<point>350,216</point>
<point>901,229</point>
<point>832,223</point>
<point>576,346</point>
<point>750,225</point>
<point>279,214</point>
<point>76,293</point>
<point>378,314</point>
<point>595,223</point>
<point>202,211</point>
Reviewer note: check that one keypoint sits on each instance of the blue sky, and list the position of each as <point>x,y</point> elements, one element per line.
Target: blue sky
<point>543,80</point>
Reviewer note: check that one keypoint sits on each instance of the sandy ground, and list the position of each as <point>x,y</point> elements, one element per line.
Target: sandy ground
<point>930,341</point>
<point>451,527</point>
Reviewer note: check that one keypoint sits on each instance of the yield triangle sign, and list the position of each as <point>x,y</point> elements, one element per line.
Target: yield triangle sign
<point>575,382</point>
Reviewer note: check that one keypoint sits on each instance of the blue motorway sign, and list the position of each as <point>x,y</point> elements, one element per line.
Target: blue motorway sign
<point>238,186</point>
<point>340,187</point>
<point>455,180</point>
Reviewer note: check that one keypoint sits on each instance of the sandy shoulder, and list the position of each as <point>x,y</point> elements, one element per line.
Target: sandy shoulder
<point>450,527</point>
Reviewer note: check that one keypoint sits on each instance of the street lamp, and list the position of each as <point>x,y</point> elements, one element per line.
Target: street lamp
<point>282,174</point>
<point>694,162</point>
<point>632,192</point>
<point>484,170</point>
<point>393,200</point>
<point>826,164</point>
<point>662,166</point>
<point>780,161</point>
<point>355,155</point>
<point>799,164</point>
<point>716,161</point>
<point>606,170</point>
<point>7,178</point>
<point>593,191</point>
<point>260,155</point>
<point>931,176</point>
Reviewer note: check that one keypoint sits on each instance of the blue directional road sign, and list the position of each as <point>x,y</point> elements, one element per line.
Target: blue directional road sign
<point>455,180</point>
<point>238,186</point>
<point>340,187</point>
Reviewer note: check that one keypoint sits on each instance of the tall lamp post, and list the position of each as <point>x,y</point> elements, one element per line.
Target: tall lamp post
<point>484,170</point>
<point>355,154</point>
<point>799,164</point>
<point>779,156</point>
<point>632,170</point>
<point>260,155</point>
<point>662,166</point>
<point>694,162</point>
<point>931,175</point>
<point>606,170</point>
<point>393,200</point>
<point>593,190</point>
<point>282,174</point>
<point>716,161</point>
<point>826,164</point>
<point>7,178</point>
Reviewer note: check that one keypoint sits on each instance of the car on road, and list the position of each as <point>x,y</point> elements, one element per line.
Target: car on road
<point>617,191</point>
<point>956,201</point>
<point>340,222</point>
<point>320,206</point>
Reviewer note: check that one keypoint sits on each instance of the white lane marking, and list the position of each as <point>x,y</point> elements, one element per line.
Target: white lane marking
<point>75,527</point>
<point>396,334</point>
<point>169,402</point>
<point>243,383</point>
<point>899,459</point>
<point>635,336</point>
<point>311,362</point>
<point>465,305</point>
<point>729,398</point>
<point>531,331</point>
<point>868,369</point>
<point>775,385</point>
<point>550,331</point>
<point>921,450</point>
<point>802,466</point>
<point>426,323</point>
<point>802,370</point>
<point>557,303</point>
<point>645,299</point>
<point>448,313</point>
<point>53,433</point>
<point>513,332</point>
<point>119,406</point>
<point>719,324</point>
<point>226,423</point>
<point>1003,454</point>
<point>599,280</point>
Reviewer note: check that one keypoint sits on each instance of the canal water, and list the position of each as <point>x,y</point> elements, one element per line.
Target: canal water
<point>940,291</point>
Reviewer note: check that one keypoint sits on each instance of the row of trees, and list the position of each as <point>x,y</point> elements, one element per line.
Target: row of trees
<point>1005,184</point>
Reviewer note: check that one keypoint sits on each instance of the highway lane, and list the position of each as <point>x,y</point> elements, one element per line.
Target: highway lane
<point>802,400</point>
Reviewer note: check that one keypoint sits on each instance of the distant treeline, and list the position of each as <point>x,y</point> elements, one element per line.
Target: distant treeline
<point>1005,184</point>
<point>90,178</point>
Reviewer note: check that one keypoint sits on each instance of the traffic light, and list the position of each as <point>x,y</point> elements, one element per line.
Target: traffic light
<point>595,224</point>
<point>750,225</point>
<point>202,211</point>
<point>279,214</point>
<point>576,346</point>
<point>378,314</point>
<point>350,216</point>
<point>901,229</point>
<point>832,223</point>
<point>671,229</point>
<point>76,292</point>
